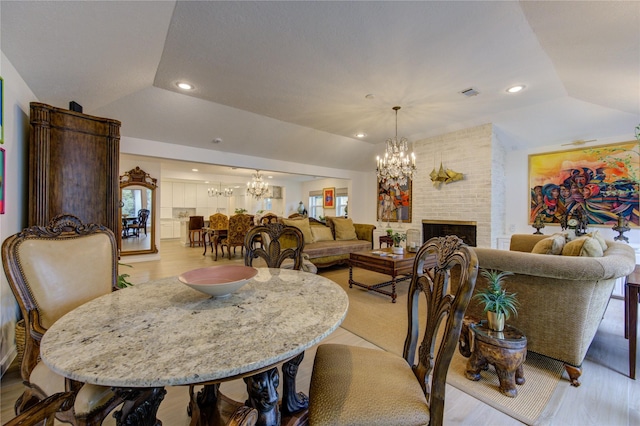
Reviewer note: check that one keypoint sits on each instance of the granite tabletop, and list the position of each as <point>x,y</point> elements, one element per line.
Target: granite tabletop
<point>163,333</point>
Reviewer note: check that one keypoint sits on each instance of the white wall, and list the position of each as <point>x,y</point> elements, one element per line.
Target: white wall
<point>16,142</point>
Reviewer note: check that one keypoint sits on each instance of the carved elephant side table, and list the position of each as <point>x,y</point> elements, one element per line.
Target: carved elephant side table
<point>506,350</point>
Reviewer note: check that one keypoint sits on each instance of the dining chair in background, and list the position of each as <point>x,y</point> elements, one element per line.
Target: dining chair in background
<point>52,270</point>
<point>239,225</point>
<point>218,227</point>
<point>362,386</point>
<point>196,223</point>
<point>141,223</point>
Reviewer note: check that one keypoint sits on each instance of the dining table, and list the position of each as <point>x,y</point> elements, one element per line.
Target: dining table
<point>126,220</point>
<point>140,339</point>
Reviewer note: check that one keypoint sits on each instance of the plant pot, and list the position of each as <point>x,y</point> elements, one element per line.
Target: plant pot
<point>398,250</point>
<point>495,321</point>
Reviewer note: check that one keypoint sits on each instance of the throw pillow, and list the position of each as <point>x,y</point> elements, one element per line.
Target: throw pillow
<point>321,233</point>
<point>302,225</point>
<point>595,234</point>
<point>344,229</point>
<point>550,245</point>
<point>583,246</point>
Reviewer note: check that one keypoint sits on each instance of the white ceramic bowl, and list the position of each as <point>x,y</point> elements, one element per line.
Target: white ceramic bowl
<point>218,281</point>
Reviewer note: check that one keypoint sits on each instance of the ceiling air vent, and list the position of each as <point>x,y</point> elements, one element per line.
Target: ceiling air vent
<point>470,92</point>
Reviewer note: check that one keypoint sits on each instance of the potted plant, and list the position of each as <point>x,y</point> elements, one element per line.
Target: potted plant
<point>397,239</point>
<point>498,304</point>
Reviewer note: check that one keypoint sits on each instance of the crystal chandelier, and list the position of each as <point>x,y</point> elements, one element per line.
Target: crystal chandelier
<point>398,166</point>
<point>213,192</point>
<point>257,187</point>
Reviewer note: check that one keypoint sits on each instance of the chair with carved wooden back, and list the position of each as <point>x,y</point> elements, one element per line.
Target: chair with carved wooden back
<point>274,243</point>
<point>43,413</point>
<point>141,223</point>
<point>239,225</point>
<point>361,386</point>
<point>268,218</point>
<point>52,270</point>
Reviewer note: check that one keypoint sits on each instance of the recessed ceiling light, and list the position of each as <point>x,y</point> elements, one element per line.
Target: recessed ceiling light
<point>516,89</point>
<point>194,170</point>
<point>270,177</point>
<point>184,86</point>
<point>361,135</point>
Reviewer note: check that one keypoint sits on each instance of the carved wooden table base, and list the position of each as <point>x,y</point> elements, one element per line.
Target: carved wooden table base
<point>506,351</point>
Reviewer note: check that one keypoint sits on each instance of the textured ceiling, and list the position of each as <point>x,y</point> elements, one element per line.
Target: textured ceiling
<point>283,79</point>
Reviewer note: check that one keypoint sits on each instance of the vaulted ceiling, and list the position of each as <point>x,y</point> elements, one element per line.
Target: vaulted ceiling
<point>289,80</point>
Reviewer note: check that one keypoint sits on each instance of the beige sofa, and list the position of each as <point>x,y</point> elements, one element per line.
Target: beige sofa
<point>332,243</point>
<point>562,298</point>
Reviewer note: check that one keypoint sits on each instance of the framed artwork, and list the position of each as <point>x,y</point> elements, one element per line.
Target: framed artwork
<point>1,111</point>
<point>329,198</point>
<point>2,163</point>
<point>394,202</point>
<point>600,183</point>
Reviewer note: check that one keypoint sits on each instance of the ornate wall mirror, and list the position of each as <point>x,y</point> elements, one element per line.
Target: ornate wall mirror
<point>137,213</point>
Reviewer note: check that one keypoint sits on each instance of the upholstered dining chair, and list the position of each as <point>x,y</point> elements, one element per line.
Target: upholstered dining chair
<point>274,243</point>
<point>239,225</point>
<point>43,413</point>
<point>268,218</point>
<point>51,270</point>
<point>362,386</point>
<point>218,227</point>
<point>141,223</point>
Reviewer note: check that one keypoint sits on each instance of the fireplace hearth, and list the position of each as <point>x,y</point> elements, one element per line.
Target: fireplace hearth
<point>466,230</point>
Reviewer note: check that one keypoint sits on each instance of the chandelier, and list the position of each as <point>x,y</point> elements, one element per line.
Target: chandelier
<point>257,187</point>
<point>217,192</point>
<point>397,167</point>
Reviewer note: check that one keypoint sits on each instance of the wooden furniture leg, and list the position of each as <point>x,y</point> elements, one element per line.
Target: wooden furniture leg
<point>632,291</point>
<point>574,374</point>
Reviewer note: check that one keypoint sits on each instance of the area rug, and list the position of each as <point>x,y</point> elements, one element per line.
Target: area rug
<point>373,317</point>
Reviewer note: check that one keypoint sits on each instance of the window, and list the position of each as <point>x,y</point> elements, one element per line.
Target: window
<point>315,206</point>
<point>341,205</point>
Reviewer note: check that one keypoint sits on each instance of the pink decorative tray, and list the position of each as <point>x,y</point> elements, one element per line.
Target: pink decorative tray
<point>218,281</point>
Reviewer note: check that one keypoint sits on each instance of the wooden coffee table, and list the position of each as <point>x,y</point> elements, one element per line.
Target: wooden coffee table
<point>399,267</point>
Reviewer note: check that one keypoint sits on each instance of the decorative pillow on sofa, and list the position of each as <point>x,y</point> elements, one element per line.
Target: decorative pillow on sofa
<point>550,245</point>
<point>595,234</point>
<point>321,233</point>
<point>344,228</point>
<point>303,225</point>
<point>583,246</point>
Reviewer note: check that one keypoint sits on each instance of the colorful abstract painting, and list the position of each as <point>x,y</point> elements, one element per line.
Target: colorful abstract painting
<point>600,181</point>
<point>394,202</point>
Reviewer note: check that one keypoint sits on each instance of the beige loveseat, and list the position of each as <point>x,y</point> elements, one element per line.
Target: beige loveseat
<point>331,244</point>
<point>562,298</point>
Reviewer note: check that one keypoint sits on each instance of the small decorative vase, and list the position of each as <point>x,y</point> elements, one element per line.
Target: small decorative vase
<point>301,208</point>
<point>495,321</point>
<point>398,250</point>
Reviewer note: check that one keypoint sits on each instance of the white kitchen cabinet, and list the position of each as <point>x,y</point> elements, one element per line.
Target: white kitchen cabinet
<point>202,196</point>
<point>166,229</point>
<point>178,195</point>
<point>190,195</point>
<point>166,194</point>
<point>176,228</point>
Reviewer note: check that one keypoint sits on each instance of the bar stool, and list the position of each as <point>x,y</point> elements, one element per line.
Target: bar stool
<point>196,223</point>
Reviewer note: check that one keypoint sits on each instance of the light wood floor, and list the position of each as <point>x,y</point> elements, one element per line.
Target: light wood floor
<point>607,395</point>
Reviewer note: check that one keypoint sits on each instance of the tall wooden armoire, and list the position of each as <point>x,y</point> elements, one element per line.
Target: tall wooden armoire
<point>74,166</point>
